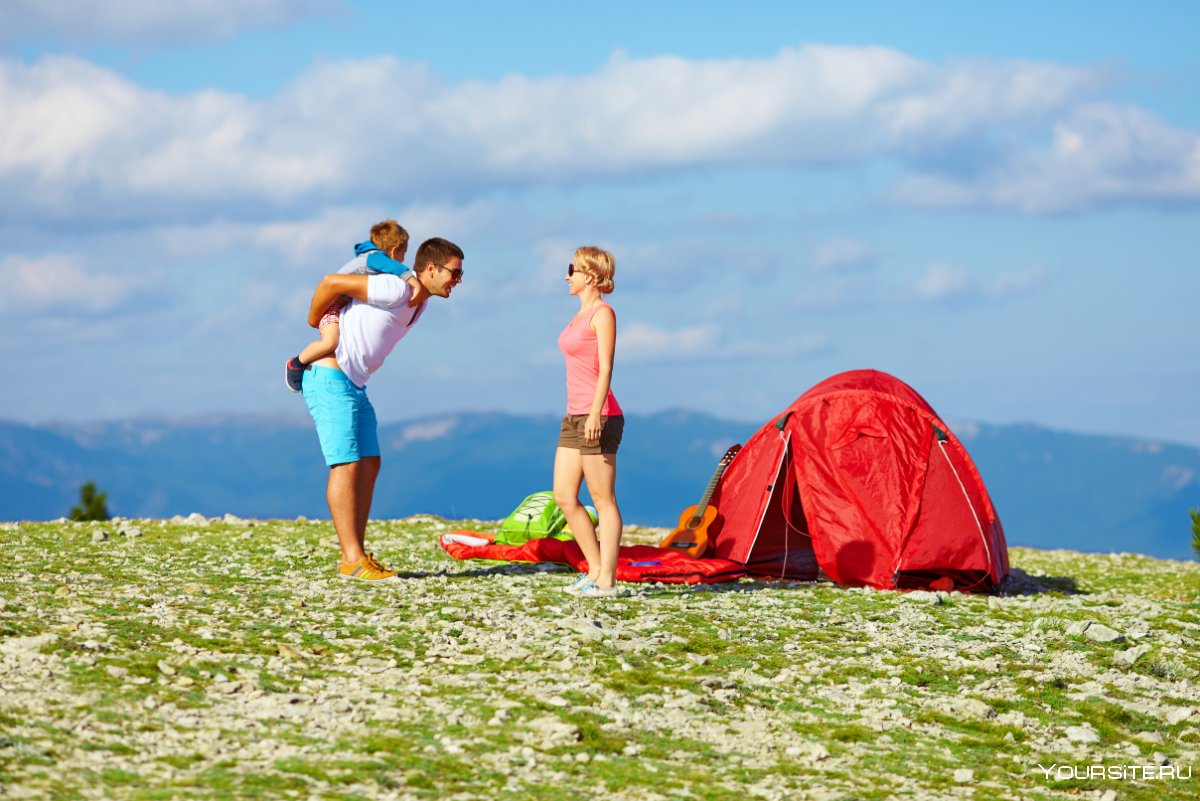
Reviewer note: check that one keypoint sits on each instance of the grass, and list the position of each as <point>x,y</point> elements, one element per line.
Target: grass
<point>221,660</point>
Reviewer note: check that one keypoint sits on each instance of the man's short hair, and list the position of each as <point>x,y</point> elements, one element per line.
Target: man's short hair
<point>388,235</point>
<point>436,251</point>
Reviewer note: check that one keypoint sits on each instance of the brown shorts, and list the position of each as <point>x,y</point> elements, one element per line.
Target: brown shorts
<point>570,435</point>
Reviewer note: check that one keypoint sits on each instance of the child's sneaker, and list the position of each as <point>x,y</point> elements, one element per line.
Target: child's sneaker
<point>579,585</point>
<point>366,569</point>
<point>293,374</point>
<point>596,591</point>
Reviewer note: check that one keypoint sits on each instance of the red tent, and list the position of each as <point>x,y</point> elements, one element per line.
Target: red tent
<point>859,478</point>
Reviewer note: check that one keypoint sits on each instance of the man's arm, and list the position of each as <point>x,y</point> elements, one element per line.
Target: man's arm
<point>330,288</point>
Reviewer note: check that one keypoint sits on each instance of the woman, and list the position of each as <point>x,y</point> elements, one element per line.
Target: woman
<point>591,430</point>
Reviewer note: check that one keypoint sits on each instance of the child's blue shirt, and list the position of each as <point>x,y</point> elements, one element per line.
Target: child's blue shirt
<point>376,261</point>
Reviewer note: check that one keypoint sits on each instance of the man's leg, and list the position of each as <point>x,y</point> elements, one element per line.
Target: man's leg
<point>368,472</point>
<point>346,426</point>
<point>346,508</point>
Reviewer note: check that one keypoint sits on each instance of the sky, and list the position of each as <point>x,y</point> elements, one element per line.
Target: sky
<point>998,203</point>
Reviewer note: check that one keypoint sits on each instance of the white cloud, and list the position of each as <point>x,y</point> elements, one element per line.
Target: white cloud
<point>334,230</point>
<point>149,24</point>
<point>943,282</point>
<point>77,140</point>
<point>969,98</point>
<point>639,342</point>
<point>1098,155</point>
<point>777,348</point>
<point>1018,283</point>
<point>60,283</point>
<point>951,284</point>
<point>843,255</point>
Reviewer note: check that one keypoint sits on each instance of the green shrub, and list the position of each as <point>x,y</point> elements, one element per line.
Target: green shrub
<point>1196,531</point>
<point>93,505</point>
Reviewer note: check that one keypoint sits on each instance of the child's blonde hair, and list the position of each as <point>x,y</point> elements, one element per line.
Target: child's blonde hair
<point>388,235</point>
<point>599,264</point>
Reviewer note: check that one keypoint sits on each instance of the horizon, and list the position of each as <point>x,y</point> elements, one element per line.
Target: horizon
<point>998,209</point>
<point>960,427</point>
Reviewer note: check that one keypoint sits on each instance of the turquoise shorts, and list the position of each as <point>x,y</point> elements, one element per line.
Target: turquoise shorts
<point>344,417</point>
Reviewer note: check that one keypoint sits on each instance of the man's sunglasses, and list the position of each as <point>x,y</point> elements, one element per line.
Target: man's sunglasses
<point>456,274</point>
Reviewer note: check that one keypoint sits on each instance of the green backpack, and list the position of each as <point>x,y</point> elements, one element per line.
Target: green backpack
<point>538,516</point>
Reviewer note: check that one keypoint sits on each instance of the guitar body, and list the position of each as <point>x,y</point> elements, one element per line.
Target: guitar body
<point>692,533</point>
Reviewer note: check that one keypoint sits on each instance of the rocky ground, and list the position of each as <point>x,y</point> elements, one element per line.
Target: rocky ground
<point>221,658</point>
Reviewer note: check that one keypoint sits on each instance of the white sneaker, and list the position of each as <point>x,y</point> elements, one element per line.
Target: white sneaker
<point>579,585</point>
<point>596,591</point>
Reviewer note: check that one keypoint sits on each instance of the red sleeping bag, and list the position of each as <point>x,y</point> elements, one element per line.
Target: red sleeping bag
<point>634,562</point>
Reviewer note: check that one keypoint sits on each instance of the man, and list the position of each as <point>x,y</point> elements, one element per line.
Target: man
<point>382,310</point>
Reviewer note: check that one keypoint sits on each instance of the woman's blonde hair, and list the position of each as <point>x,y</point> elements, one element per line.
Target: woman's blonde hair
<point>599,264</point>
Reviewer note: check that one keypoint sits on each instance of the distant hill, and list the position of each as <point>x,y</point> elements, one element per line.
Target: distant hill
<point>1052,489</point>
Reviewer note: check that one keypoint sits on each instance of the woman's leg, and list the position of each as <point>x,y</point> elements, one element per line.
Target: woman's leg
<point>600,472</point>
<point>568,475</point>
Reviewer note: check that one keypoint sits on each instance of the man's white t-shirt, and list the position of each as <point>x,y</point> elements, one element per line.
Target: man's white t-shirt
<point>370,330</point>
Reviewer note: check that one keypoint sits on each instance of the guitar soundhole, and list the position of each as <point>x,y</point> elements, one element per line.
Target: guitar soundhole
<point>695,522</point>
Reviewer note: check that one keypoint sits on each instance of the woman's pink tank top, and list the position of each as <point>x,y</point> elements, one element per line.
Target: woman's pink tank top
<point>578,344</point>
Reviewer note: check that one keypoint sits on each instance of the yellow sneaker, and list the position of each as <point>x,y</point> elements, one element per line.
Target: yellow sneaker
<point>366,569</point>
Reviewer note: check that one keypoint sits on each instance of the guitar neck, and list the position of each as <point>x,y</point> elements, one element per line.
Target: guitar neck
<point>712,485</point>
<point>707,496</point>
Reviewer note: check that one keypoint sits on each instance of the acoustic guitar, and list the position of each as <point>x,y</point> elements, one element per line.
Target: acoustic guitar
<point>692,533</point>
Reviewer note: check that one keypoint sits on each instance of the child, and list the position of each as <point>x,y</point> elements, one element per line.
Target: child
<point>383,254</point>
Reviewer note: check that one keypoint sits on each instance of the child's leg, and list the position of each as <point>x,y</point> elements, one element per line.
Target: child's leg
<point>325,346</point>
<point>295,367</point>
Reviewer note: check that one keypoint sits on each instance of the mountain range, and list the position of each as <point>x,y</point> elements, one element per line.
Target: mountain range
<point>1052,489</point>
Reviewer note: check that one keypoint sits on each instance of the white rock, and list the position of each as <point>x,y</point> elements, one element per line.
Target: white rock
<point>553,732</point>
<point>964,775</point>
<point>1179,715</point>
<point>16,645</point>
<point>1099,632</point>
<point>1129,657</point>
<point>975,707</point>
<point>588,629</point>
<point>1082,734</point>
